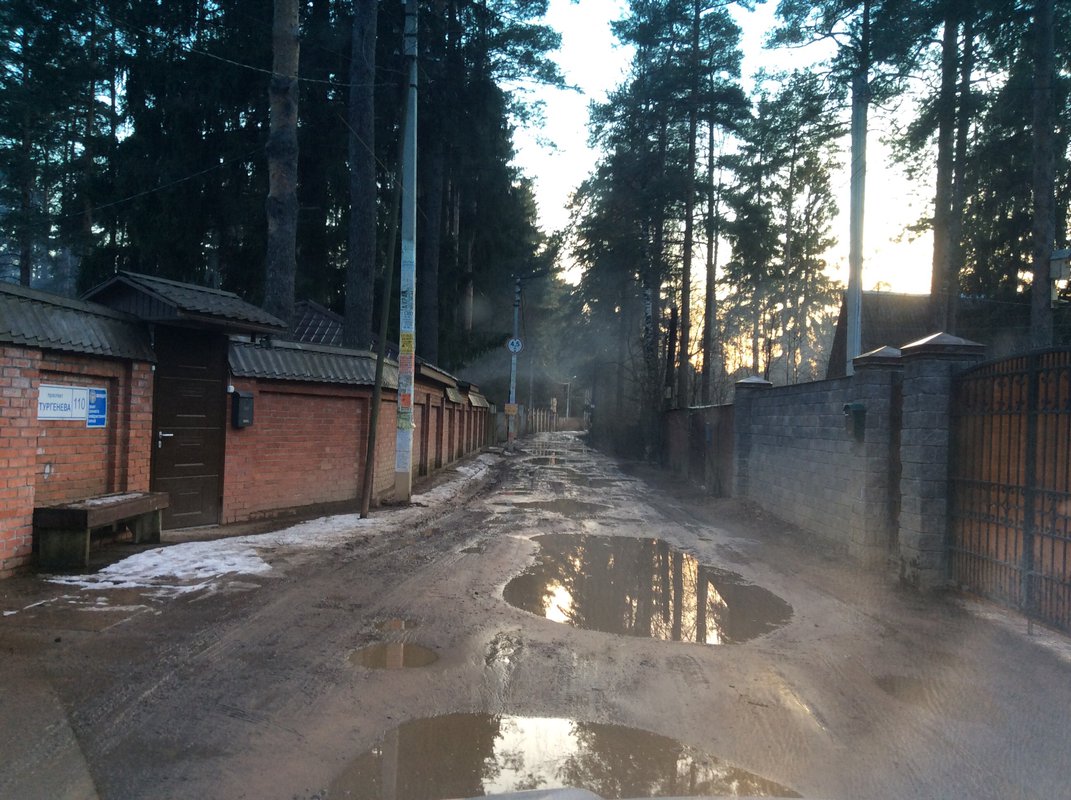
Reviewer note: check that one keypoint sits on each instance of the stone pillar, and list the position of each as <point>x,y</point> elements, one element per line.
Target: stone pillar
<point>875,384</point>
<point>930,365</point>
<point>742,403</point>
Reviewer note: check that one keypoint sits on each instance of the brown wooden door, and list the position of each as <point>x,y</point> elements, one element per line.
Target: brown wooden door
<point>189,418</point>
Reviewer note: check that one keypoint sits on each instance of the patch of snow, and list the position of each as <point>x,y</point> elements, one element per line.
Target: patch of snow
<point>108,499</point>
<point>194,566</point>
<point>10,613</point>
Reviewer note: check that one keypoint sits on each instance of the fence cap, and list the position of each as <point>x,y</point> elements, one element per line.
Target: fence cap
<point>882,357</point>
<point>943,344</point>
<point>754,382</point>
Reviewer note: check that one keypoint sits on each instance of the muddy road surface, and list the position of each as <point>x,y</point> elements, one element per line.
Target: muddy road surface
<point>556,619</point>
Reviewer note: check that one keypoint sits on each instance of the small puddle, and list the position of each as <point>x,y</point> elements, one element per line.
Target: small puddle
<point>550,461</point>
<point>397,624</point>
<point>471,755</point>
<point>566,507</point>
<point>394,655</point>
<point>642,587</point>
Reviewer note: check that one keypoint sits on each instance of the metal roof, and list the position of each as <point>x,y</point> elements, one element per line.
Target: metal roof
<point>455,396</point>
<point>295,361</point>
<point>478,400</point>
<point>42,319</point>
<point>315,324</point>
<point>161,300</point>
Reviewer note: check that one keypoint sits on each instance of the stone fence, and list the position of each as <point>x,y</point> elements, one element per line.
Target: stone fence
<point>861,461</point>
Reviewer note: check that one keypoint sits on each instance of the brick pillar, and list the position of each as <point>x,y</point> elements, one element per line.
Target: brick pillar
<point>930,365</point>
<point>19,380</point>
<point>742,403</point>
<point>875,386</point>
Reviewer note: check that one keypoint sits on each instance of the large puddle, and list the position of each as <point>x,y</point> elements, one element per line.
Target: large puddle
<point>642,587</point>
<point>472,755</point>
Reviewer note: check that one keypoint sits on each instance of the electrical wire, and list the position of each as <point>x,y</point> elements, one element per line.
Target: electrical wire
<point>169,185</point>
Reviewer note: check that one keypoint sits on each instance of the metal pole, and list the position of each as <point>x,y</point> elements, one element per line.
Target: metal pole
<point>403,450</point>
<point>854,300</point>
<point>511,420</point>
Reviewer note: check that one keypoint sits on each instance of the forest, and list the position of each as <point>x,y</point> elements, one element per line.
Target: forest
<point>144,136</point>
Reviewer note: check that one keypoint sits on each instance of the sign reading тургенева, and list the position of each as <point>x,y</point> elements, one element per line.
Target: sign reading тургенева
<point>73,402</point>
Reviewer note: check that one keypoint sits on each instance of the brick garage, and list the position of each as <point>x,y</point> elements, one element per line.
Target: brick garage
<point>49,340</point>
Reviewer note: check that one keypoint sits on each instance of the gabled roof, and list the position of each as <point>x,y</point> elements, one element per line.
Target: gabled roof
<point>296,361</point>
<point>160,300</point>
<point>42,319</point>
<point>887,318</point>
<point>315,324</point>
<point>898,319</point>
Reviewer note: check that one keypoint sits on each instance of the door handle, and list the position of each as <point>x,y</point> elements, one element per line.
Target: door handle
<point>160,436</point>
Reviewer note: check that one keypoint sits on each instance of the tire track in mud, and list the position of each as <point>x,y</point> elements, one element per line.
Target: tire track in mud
<point>282,634</point>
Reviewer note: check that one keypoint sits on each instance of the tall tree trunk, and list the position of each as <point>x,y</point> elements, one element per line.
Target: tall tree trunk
<point>26,177</point>
<point>282,163</point>
<point>1044,228</point>
<point>684,381</point>
<point>959,179</point>
<point>941,287</point>
<point>710,315</point>
<point>361,250</point>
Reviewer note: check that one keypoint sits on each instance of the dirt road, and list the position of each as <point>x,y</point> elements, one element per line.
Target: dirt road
<point>558,620</point>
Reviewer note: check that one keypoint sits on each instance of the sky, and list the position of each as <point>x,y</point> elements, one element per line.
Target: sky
<point>592,61</point>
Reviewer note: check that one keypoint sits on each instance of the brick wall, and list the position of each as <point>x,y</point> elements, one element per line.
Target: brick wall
<point>48,462</point>
<point>306,447</point>
<point>18,448</point>
<point>302,448</point>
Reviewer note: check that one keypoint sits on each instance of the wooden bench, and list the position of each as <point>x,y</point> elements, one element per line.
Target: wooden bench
<point>63,532</point>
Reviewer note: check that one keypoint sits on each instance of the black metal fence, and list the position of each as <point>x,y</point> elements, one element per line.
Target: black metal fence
<point>1011,484</point>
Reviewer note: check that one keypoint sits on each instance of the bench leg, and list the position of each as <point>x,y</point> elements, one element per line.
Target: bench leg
<point>63,548</point>
<point>147,527</point>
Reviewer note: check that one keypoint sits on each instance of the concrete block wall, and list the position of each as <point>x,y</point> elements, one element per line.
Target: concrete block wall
<point>794,455</point>
<point>46,462</point>
<point>880,491</point>
<point>930,366</point>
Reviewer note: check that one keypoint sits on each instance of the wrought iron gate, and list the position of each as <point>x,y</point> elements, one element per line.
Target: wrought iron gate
<point>1011,484</point>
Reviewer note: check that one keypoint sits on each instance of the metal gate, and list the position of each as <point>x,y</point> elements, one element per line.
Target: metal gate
<point>1011,484</point>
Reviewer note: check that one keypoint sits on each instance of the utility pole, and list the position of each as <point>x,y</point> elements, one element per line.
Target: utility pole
<point>515,346</point>
<point>403,450</point>
<point>860,106</point>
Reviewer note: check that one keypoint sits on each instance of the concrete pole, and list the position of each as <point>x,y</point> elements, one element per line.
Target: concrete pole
<point>854,300</point>
<point>403,450</point>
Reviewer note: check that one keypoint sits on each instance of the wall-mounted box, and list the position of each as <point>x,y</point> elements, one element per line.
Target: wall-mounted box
<point>241,409</point>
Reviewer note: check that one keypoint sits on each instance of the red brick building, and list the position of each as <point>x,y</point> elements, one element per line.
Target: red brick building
<point>168,387</point>
<point>76,389</point>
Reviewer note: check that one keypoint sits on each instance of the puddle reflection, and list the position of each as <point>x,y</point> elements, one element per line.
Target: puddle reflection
<point>470,755</point>
<point>642,587</point>
<point>394,655</point>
